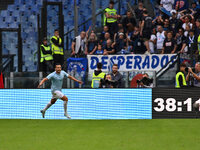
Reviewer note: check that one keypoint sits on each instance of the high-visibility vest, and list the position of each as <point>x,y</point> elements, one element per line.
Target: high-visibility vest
<point>45,56</point>
<point>96,79</point>
<point>177,81</point>
<point>56,49</point>
<point>112,12</point>
<point>198,41</point>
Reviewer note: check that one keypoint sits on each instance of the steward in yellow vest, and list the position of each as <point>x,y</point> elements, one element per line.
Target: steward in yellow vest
<point>97,76</point>
<point>180,77</point>
<point>57,49</point>
<point>198,44</point>
<point>46,58</point>
<point>110,18</point>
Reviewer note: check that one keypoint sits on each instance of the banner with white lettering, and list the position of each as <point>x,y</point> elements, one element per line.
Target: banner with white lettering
<point>130,62</point>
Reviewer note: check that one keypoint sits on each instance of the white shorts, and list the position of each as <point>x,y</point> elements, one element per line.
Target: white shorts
<point>57,95</point>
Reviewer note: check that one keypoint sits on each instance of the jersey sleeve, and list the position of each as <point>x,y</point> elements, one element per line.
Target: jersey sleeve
<point>50,76</point>
<point>65,73</point>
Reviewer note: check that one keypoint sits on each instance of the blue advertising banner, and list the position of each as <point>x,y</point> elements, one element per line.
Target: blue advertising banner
<point>83,104</point>
<point>130,62</point>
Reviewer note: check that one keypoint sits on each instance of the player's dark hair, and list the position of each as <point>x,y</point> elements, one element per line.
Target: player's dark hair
<point>57,64</point>
<point>56,30</point>
<point>99,65</point>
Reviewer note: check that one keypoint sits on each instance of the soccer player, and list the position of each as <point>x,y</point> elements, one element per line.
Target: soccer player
<point>56,78</point>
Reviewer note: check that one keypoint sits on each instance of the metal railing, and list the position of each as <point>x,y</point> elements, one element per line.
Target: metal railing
<point>7,65</point>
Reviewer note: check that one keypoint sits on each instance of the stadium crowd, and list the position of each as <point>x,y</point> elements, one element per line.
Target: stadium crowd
<point>174,29</point>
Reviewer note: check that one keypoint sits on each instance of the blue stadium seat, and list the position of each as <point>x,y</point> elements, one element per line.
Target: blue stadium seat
<point>4,13</point>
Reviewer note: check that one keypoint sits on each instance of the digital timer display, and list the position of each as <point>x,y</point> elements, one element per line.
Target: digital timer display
<point>175,103</point>
<point>172,104</point>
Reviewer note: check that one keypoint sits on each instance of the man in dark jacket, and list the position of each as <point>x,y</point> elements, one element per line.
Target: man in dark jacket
<point>117,76</point>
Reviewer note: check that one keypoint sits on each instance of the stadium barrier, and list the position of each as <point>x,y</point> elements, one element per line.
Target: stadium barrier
<point>83,104</point>
<point>102,103</point>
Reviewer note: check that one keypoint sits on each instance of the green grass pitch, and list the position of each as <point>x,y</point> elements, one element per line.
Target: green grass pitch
<point>166,134</point>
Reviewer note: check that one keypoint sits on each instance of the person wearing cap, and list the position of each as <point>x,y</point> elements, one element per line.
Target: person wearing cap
<point>46,58</point>
<point>110,18</point>
<point>121,45</point>
<point>174,23</point>
<point>180,77</point>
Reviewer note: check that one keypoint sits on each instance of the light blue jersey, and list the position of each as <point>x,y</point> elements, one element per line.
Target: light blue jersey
<point>57,80</point>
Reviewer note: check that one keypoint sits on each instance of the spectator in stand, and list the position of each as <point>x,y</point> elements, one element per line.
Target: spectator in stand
<point>91,44</point>
<point>46,58</point>
<point>180,39</point>
<point>197,27</point>
<point>99,50</point>
<point>106,37</point>
<point>152,42</point>
<point>111,18</point>
<point>169,45</point>
<point>116,36</point>
<point>129,19</point>
<point>197,14</point>
<point>167,4</point>
<point>117,76</point>
<point>139,11</point>
<point>160,37</point>
<point>187,22</point>
<point>79,46</point>
<point>166,25</point>
<point>175,23</point>
<point>181,5</point>
<point>129,31</point>
<point>198,3</point>
<point>121,45</point>
<point>194,7</point>
<point>187,30</point>
<point>146,28</point>
<point>189,45</point>
<point>102,36</point>
<point>109,49</point>
<point>138,45</point>
<point>158,21</point>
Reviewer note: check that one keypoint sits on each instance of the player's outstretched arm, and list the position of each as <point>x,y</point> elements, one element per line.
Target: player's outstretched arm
<point>44,80</point>
<point>72,78</point>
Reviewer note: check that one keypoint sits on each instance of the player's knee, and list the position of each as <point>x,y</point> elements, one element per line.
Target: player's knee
<point>53,102</point>
<point>64,98</point>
